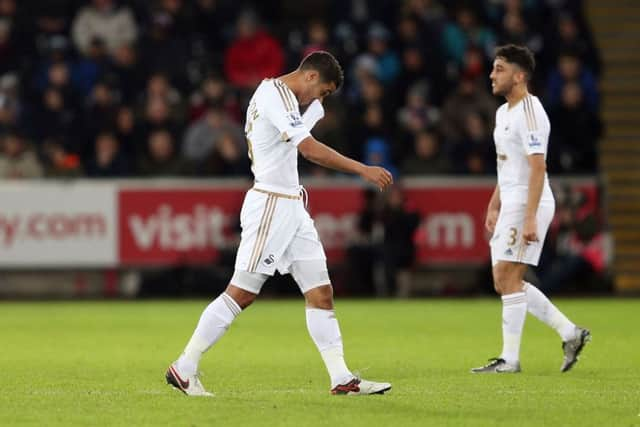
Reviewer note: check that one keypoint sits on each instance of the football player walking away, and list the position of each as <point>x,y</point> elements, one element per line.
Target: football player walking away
<point>277,231</point>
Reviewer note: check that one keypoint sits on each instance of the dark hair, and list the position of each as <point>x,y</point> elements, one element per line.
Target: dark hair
<point>326,65</point>
<point>519,55</point>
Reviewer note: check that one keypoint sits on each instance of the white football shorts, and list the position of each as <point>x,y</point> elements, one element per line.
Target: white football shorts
<point>277,231</point>
<point>507,243</point>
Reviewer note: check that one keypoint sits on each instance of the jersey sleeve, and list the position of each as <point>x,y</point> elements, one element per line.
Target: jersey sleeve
<point>534,128</point>
<point>314,113</point>
<point>281,110</point>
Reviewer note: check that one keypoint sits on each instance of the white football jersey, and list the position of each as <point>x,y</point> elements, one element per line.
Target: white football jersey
<point>274,128</point>
<point>520,131</point>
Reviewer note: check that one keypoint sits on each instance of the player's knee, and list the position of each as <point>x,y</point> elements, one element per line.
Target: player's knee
<point>501,277</point>
<point>245,287</point>
<point>240,296</point>
<point>320,297</point>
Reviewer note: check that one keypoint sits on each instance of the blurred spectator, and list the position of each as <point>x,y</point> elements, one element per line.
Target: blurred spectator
<point>253,54</point>
<point>17,159</point>
<point>574,133</point>
<point>59,162</point>
<point>474,64</point>
<point>569,36</point>
<point>358,14</point>
<point>108,160</point>
<point>162,49</point>
<point>329,129</point>
<point>90,68</point>
<point>201,137</point>
<point>179,15</point>
<point>464,32</point>
<point>427,157</point>
<point>583,249</point>
<point>364,267</point>
<point>159,88</point>
<point>213,14</point>
<point>100,114</point>
<point>162,158</point>
<point>127,134</point>
<point>399,249</point>
<point>10,102</point>
<point>104,20</point>
<point>475,163</point>
<point>214,92</point>
<point>228,158</point>
<point>475,153</point>
<point>571,69</point>
<point>516,30</point>
<point>468,98</point>
<point>157,116</point>
<point>429,13</point>
<point>366,115</point>
<point>56,118</point>
<point>9,52</point>
<point>416,115</point>
<point>422,58</point>
<point>529,11</point>
<point>387,62</point>
<point>57,75</point>
<point>127,72</point>
<point>317,38</point>
<point>377,153</point>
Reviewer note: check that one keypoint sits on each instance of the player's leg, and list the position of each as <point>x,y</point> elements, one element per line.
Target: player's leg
<point>218,316</point>
<point>313,279</point>
<point>322,323</point>
<point>508,271</point>
<point>573,338</point>
<point>543,309</point>
<point>257,212</point>
<point>507,278</point>
<point>213,324</point>
<point>306,261</point>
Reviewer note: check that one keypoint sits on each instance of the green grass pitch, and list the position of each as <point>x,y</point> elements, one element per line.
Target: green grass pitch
<point>103,363</point>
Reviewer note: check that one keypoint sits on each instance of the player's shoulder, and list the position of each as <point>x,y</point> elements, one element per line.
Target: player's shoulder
<point>273,91</point>
<point>534,114</point>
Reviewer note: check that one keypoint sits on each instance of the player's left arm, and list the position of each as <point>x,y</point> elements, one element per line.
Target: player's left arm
<point>538,168</point>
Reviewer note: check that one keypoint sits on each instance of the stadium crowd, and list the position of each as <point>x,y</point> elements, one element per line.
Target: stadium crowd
<point>149,88</point>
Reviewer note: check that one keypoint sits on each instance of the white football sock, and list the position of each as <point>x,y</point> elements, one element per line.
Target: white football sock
<point>214,322</point>
<point>325,332</point>
<point>540,306</point>
<point>514,311</point>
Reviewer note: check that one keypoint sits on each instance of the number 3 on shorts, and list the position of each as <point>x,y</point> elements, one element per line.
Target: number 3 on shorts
<point>513,234</point>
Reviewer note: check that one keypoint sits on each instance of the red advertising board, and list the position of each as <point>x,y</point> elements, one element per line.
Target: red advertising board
<point>452,223</point>
<point>189,226</point>
<point>176,226</point>
<point>172,222</point>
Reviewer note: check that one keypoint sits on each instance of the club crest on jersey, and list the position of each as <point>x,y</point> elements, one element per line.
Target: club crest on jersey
<point>294,119</point>
<point>269,260</point>
<point>533,141</point>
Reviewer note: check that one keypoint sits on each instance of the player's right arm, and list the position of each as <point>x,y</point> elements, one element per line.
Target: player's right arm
<point>493,210</point>
<point>323,155</point>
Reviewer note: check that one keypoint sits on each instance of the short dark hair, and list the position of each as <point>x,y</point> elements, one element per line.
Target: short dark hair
<point>519,55</point>
<point>326,65</point>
